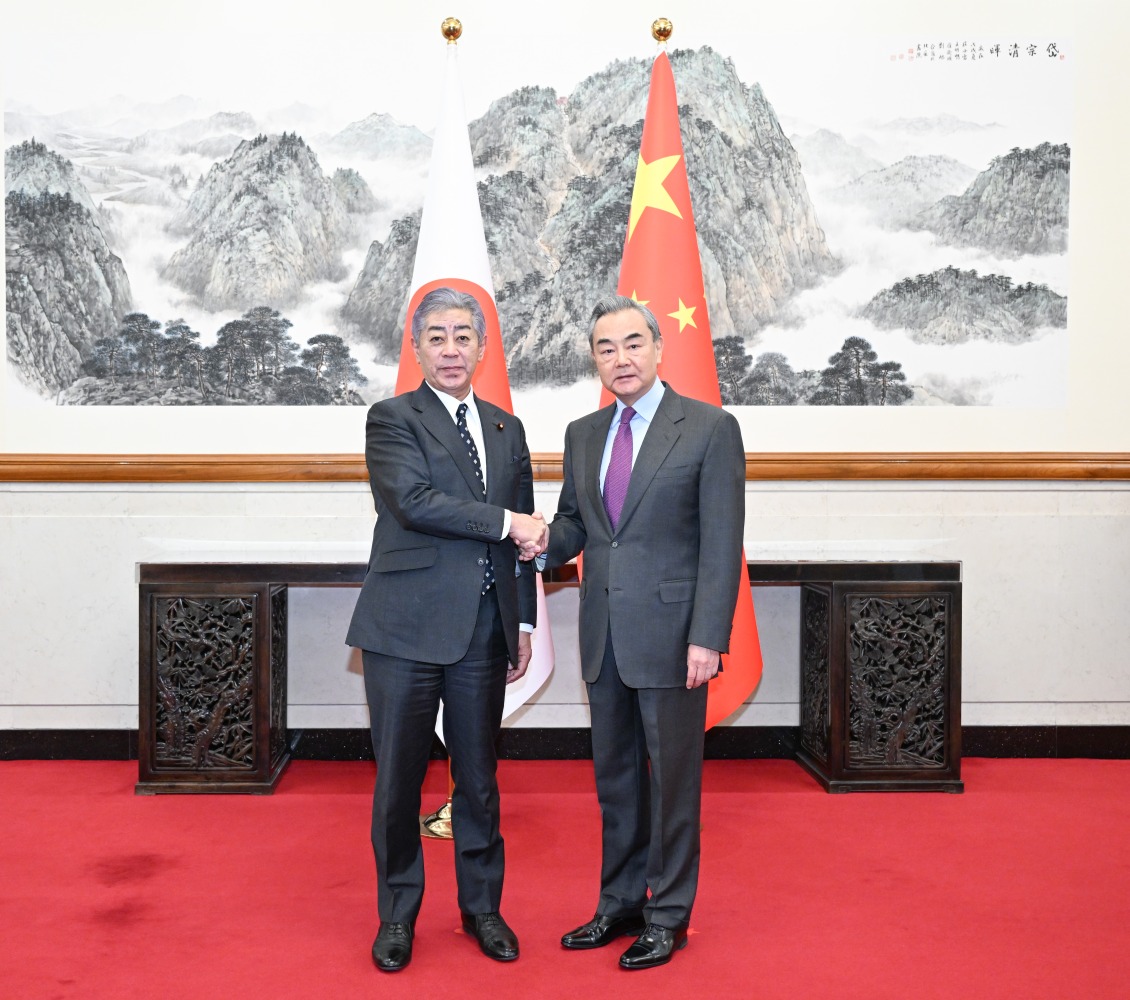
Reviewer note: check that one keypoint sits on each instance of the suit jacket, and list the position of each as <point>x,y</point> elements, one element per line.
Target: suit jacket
<point>420,598</point>
<point>668,575</point>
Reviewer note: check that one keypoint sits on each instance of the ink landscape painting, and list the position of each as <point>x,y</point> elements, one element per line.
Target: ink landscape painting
<point>885,226</point>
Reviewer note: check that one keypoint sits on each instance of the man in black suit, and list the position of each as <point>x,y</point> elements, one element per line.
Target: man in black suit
<point>445,612</point>
<point>653,495</point>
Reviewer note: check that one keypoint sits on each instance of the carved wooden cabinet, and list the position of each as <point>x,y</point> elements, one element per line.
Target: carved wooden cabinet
<point>212,684</point>
<point>881,677</point>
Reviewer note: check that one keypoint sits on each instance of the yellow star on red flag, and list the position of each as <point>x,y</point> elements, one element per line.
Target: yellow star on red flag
<point>649,192</point>
<point>685,315</point>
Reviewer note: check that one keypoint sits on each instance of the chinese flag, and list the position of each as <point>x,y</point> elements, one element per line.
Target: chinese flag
<point>452,251</point>
<point>661,269</point>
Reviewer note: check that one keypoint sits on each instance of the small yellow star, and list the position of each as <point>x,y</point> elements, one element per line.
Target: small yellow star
<point>636,298</point>
<point>685,315</point>
<point>649,192</point>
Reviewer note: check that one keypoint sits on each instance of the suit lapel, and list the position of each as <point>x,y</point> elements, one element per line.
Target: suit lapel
<point>439,424</point>
<point>498,451</point>
<point>657,443</point>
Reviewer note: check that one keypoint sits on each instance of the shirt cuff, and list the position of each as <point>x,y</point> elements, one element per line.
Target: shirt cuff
<point>523,627</point>
<point>505,523</point>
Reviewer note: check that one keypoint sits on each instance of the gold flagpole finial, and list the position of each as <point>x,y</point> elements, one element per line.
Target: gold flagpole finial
<point>661,30</point>
<point>451,29</point>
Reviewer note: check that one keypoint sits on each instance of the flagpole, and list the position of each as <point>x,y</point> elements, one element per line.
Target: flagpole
<point>661,267</point>
<point>437,825</point>
<point>452,252</point>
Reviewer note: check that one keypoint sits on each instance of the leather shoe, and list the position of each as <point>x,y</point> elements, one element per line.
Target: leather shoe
<point>392,949</point>
<point>653,947</point>
<point>601,930</point>
<point>495,938</point>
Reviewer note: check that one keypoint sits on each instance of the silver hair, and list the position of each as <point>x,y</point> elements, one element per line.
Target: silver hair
<point>618,303</point>
<point>440,299</point>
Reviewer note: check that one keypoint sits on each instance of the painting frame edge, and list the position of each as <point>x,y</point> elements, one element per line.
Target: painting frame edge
<point>760,466</point>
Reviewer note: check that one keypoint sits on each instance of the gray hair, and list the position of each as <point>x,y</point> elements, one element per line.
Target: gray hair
<point>619,303</point>
<point>440,299</point>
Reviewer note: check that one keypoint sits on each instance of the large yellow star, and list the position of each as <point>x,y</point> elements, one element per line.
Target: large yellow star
<point>685,315</point>
<point>649,192</point>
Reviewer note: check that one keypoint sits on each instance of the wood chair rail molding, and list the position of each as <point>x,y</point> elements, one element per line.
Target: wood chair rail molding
<point>812,466</point>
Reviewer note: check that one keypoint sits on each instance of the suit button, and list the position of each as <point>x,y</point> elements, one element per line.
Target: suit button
<point>615,545</point>
<point>482,562</point>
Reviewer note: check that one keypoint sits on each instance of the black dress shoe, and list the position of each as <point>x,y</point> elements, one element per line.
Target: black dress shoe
<point>653,947</point>
<point>393,948</point>
<point>496,939</point>
<point>601,930</point>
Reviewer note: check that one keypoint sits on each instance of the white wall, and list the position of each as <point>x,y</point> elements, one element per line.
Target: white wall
<point>1045,570</point>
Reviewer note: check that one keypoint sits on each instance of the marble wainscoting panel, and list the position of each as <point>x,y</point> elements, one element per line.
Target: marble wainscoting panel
<point>1045,568</point>
<point>69,576</point>
<point>1013,713</point>
<point>1014,570</point>
<point>1094,499</point>
<point>323,522</point>
<point>325,679</point>
<point>69,617</point>
<point>1102,713</point>
<point>67,716</point>
<point>1091,612</point>
<point>1046,713</point>
<point>776,700</point>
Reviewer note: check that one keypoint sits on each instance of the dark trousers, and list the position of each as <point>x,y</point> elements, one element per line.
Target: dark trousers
<point>404,697</point>
<point>647,748</point>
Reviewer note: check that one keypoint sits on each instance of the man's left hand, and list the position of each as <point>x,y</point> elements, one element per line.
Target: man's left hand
<point>525,651</point>
<point>702,664</point>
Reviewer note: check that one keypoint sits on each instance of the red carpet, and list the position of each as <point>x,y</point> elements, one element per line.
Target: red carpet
<point>1020,888</point>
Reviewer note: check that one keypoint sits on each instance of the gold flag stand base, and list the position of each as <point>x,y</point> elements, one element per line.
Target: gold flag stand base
<point>438,824</point>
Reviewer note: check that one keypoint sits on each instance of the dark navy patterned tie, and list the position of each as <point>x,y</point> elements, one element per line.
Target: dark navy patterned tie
<point>619,470</point>
<point>473,454</point>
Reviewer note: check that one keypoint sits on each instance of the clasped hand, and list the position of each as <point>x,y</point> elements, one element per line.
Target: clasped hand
<point>530,533</point>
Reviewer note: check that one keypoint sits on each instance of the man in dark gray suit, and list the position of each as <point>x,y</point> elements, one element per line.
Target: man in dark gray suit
<point>445,612</point>
<point>653,495</point>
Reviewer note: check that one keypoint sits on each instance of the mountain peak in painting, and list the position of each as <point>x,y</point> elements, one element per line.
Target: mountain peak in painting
<point>263,224</point>
<point>64,287</point>
<point>379,135</point>
<point>1017,206</point>
<point>894,195</point>
<point>951,306</point>
<point>34,169</point>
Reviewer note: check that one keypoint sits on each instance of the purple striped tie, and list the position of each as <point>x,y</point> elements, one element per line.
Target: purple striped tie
<point>619,468</point>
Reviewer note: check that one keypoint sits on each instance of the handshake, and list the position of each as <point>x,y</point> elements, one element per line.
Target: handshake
<point>530,533</point>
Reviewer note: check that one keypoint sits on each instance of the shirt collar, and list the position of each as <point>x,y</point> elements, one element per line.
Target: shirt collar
<point>451,403</point>
<point>646,405</point>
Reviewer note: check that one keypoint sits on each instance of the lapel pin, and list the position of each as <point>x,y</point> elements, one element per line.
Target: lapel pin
<point>499,425</point>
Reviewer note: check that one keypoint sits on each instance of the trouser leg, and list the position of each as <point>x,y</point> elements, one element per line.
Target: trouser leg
<point>403,699</point>
<point>473,696</point>
<point>674,721</point>
<point>622,788</point>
